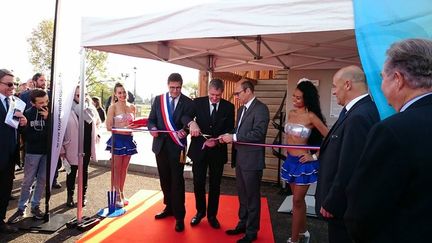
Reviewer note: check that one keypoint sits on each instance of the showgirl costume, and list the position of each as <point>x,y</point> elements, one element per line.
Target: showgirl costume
<point>293,171</point>
<point>123,143</point>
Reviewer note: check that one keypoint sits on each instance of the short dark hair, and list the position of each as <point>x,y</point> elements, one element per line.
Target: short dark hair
<point>5,72</point>
<point>36,76</point>
<point>247,84</point>
<point>36,93</point>
<point>217,84</point>
<point>175,77</point>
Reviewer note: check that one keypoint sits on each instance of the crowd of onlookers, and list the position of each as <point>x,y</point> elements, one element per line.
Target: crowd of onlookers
<point>29,144</point>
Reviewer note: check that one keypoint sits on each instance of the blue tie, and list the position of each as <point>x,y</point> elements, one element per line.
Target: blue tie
<point>342,113</point>
<point>172,105</point>
<point>7,103</point>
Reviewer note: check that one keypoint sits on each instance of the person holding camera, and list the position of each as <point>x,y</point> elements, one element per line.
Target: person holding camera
<point>36,147</point>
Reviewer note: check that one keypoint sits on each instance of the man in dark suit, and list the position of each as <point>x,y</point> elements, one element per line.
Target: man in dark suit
<point>342,147</point>
<point>215,116</point>
<point>252,122</point>
<point>8,144</point>
<point>389,197</point>
<point>172,111</point>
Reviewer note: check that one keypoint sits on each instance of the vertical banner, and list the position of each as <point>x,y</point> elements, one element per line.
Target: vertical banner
<point>66,75</point>
<point>378,24</point>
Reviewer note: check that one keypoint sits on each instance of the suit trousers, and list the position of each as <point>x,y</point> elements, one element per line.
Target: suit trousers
<point>199,169</point>
<point>6,183</point>
<point>337,232</point>
<point>171,178</point>
<point>249,192</point>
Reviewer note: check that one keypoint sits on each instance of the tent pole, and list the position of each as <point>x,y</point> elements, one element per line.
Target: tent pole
<point>81,137</point>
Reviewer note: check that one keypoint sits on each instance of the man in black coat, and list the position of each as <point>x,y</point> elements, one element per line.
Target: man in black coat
<point>8,145</point>
<point>215,116</point>
<point>341,149</point>
<point>389,197</point>
<point>172,111</point>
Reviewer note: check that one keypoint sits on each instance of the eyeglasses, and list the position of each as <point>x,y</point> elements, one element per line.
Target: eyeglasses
<point>238,93</point>
<point>174,88</point>
<point>10,85</point>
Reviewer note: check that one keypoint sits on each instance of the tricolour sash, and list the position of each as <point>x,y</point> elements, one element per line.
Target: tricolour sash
<point>169,120</point>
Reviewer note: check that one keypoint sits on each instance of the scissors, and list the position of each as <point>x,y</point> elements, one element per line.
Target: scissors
<point>206,136</point>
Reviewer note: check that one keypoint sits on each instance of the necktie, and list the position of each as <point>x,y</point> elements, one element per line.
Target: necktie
<point>342,113</point>
<point>172,105</point>
<point>7,103</point>
<point>213,114</point>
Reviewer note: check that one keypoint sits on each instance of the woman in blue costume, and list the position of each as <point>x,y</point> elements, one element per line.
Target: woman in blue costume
<point>305,126</point>
<point>120,115</point>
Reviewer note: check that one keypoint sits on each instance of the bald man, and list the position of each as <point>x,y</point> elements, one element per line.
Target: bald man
<point>342,147</point>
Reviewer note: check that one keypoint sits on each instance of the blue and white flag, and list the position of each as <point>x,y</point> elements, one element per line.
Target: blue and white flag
<point>378,24</point>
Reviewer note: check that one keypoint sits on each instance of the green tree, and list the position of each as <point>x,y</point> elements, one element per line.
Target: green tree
<point>41,42</point>
<point>191,88</point>
<point>41,58</point>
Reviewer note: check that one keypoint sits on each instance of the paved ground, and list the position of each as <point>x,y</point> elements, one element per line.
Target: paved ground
<point>143,175</point>
<point>99,182</point>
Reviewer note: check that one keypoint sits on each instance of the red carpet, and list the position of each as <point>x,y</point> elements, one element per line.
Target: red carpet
<point>139,225</point>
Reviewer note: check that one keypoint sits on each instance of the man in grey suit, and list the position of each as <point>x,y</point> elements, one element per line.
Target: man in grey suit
<point>252,122</point>
<point>342,147</point>
<point>389,197</point>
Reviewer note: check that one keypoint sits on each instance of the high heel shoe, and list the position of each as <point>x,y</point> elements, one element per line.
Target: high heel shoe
<point>123,199</point>
<point>290,241</point>
<point>305,237</point>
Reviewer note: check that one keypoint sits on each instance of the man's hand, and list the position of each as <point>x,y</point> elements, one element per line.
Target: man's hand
<point>21,117</point>
<point>325,213</point>
<point>194,129</point>
<point>181,134</point>
<point>210,143</point>
<point>226,138</point>
<point>154,134</point>
<point>44,112</point>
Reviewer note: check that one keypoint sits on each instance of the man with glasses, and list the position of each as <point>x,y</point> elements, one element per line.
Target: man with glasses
<point>172,111</point>
<point>8,144</point>
<point>252,122</point>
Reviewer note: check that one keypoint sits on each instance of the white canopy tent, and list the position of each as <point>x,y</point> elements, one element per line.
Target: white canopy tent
<point>238,36</point>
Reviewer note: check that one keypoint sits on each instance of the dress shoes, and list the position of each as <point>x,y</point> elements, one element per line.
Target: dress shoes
<point>247,239</point>
<point>163,214</point>
<point>197,219</point>
<point>236,231</point>
<point>7,229</point>
<point>214,223</point>
<point>179,225</point>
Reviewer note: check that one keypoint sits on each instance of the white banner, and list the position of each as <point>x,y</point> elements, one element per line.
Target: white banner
<point>66,75</point>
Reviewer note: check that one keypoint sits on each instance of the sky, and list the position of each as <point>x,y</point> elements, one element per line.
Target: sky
<point>19,17</point>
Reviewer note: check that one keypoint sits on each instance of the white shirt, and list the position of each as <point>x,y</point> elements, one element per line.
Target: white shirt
<point>2,98</point>
<point>404,107</point>
<point>354,101</point>
<point>211,106</point>
<point>241,117</point>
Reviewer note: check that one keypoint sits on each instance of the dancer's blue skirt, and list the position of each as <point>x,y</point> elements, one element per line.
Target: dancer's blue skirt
<point>123,144</point>
<point>293,171</point>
